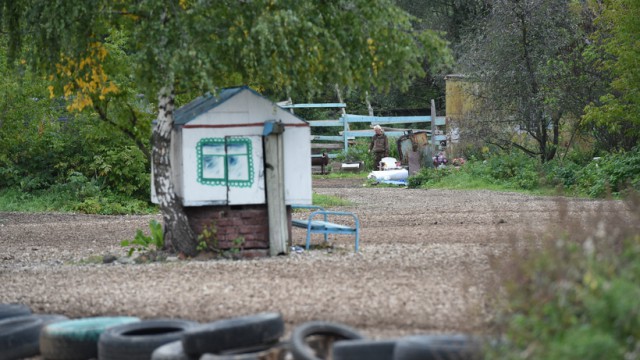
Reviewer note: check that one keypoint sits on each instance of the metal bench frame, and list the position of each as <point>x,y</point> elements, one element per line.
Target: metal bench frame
<point>324,226</point>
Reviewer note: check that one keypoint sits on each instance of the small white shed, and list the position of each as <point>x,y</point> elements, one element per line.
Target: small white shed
<point>218,157</point>
<point>218,154</point>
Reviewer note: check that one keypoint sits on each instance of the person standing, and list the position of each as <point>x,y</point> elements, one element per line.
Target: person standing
<point>379,145</point>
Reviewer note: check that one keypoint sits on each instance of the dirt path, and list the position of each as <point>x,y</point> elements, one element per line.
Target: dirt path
<point>424,264</point>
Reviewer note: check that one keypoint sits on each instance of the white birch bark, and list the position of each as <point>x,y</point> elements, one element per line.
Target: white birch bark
<point>178,235</point>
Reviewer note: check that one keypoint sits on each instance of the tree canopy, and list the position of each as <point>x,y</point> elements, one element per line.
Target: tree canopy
<point>617,50</point>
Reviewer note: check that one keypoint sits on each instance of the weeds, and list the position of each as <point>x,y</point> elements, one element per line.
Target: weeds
<point>142,242</point>
<point>576,296</point>
<point>208,242</point>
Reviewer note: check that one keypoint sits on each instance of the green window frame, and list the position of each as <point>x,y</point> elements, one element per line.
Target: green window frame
<point>225,161</point>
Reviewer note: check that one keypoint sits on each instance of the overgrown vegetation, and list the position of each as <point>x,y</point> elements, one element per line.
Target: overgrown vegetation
<point>578,175</point>
<point>576,295</point>
<point>142,242</point>
<point>359,152</point>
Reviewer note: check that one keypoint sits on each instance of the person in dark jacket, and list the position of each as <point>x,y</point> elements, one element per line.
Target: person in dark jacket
<point>379,145</point>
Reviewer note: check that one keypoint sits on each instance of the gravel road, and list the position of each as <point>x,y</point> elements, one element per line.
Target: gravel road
<point>424,264</point>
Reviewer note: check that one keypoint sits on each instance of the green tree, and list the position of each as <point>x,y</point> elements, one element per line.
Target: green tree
<point>183,46</point>
<point>525,57</point>
<point>616,115</point>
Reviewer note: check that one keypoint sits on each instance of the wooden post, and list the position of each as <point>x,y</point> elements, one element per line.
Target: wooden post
<point>433,126</point>
<point>274,178</point>
<point>345,126</point>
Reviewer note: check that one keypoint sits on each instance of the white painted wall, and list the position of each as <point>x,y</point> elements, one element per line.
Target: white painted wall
<point>244,115</point>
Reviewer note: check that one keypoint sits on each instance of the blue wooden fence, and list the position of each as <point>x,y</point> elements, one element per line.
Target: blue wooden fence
<point>346,119</point>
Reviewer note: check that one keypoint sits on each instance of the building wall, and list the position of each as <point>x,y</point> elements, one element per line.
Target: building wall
<point>247,221</point>
<point>244,115</point>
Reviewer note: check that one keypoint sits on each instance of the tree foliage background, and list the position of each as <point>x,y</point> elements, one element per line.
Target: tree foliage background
<point>559,79</point>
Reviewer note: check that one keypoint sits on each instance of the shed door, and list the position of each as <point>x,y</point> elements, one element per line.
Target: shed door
<point>232,168</point>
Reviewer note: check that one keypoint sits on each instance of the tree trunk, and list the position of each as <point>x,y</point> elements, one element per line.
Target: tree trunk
<point>178,235</point>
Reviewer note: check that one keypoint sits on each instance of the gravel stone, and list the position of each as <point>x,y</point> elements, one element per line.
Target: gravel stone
<point>423,267</point>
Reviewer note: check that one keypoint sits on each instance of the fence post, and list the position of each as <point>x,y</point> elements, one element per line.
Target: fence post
<point>433,126</point>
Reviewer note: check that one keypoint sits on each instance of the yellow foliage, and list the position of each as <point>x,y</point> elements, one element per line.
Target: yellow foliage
<point>84,80</point>
<point>184,4</point>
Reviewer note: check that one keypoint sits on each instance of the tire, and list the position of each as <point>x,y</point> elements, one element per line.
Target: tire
<point>19,335</point>
<point>235,333</point>
<point>11,310</point>
<point>364,349</point>
<point>437,347</point>
<point>276,352</point>
<point>138,340</point>
<point>334,332</point>
<point>76,339</point>
<point>171,351</point>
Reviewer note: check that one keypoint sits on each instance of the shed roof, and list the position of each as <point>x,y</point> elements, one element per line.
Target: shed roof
<point>205,103</point>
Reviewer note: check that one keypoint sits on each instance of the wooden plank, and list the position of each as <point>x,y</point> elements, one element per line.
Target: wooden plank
<point>440,120</point>
<point>327,138</point>
<point>307,106</point>
<point>325,123</point>
<point>328,146</point>
<point>369,133</point>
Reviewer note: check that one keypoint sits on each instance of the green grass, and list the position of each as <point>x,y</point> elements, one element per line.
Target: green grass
<point>13,199</point>
<point>329,200</point>
<point>343,175</point>
<point>466,181</point>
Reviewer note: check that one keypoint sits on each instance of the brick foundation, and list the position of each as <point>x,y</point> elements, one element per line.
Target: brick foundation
<point>250,222</point>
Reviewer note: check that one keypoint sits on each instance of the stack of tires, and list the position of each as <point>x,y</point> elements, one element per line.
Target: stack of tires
<point>20,331</point>
<point>254,337</point>
<point>321,340</point>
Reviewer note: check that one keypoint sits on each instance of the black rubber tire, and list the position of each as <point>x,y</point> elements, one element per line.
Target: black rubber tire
<point>234,333</point>
<point>302,351</point>
<point>19,335</point>
<point>11,310</point>
<point>278,351</point>
<point>171,351</point>
<point>137,341</point>
<point>437,347</point>
<point>364,349</point>
<point>77,339</point>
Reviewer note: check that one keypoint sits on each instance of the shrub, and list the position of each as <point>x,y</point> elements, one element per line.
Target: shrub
<point>360,152</point>
<point>575,296</point>
<point>611,173</point>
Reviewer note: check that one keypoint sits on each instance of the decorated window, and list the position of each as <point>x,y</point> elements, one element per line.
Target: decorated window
<point>225,162</point>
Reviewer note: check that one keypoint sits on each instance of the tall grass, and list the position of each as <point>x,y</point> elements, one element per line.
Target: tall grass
<point>63,199</point>
<point>575,294</point>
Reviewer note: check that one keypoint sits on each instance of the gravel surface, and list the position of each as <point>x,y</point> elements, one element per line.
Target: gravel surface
<point>423,266</point>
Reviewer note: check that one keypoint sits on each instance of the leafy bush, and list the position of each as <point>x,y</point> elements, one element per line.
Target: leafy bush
<point>142,242</point>
<point>510,170</point>
<point>516,168</point>
<point>427,177</point>
<point>576,296</point>
<point>123,170</point>
<point>611,173</point>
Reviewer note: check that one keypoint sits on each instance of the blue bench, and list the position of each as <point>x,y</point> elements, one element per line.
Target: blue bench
<point>324,226</point>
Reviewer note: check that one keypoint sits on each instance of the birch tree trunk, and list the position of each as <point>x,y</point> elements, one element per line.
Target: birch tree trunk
<point>178,235</point>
